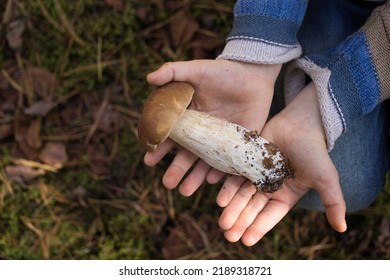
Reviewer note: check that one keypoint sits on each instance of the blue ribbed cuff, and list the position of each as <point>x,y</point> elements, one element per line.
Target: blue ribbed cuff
<point>264,29</point>
<point>289,10</point>
<point>274,22</point>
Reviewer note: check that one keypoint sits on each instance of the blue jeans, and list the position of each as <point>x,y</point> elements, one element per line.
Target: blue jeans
<point>360,154</point>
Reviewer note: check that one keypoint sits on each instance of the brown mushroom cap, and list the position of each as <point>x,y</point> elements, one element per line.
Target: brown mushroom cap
<point>161,110</point>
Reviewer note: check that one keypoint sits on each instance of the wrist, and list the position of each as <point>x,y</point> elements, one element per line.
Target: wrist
<point>259,72</point>
<point>300,118</point>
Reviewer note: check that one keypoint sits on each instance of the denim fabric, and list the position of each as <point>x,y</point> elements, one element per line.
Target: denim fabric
<point>328,22</point>
<point>361,158</point>
<point>360,154</point>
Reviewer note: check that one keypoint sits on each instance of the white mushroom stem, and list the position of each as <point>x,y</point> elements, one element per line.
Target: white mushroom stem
<point>232,149</point>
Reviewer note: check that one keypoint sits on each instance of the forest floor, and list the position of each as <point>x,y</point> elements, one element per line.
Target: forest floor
<point>72,180</point>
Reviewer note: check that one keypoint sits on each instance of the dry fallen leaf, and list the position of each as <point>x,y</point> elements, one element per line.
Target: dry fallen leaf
<point>145,15</point>
<point>6,130</point>
<point>22,174</point>
<point>24,129</point>
<point>44,83</point>
<point>9,100</point>
<point>54,154</point>
<point>117,5</point>
<point>183,27</point>
<point>33,135</point>
<point>13,18</point>
<point>71,111</point>
<point>107,120</point>
<point>14,35</point>
<point>40,108</point>
<point>98,161</point>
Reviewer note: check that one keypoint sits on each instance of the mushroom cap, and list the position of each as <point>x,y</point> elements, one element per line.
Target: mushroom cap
<point>161,110</point>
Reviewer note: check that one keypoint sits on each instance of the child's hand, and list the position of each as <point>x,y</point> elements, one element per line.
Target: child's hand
<point>298,132</point>
<point>235,91</point>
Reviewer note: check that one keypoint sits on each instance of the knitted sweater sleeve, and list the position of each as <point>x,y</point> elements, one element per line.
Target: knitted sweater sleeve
<point>265,31</point>
<point>352,79</point>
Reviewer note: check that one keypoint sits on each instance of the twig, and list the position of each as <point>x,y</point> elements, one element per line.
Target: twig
<point>125,83</point>
<point>67,25</point>
<point>91,67</point>
<point>115,145</point>
<point>27,83</point>
<point>64,60</point>
<point>99,59</point>
<point>132,114</point>
<point>6,182</point>
<point>42,240</point>
<point>11,81</point>
<point>98,116</point>
<point>34,164</point>
<point>48,17</point>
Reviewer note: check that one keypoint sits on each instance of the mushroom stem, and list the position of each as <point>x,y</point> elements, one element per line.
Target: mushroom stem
<point>232,149</point>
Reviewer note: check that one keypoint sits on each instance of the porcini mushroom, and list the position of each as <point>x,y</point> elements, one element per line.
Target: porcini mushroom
<point>225,146</point>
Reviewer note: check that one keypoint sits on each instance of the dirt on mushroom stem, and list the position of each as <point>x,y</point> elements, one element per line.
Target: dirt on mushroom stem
<point>270,184</point>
